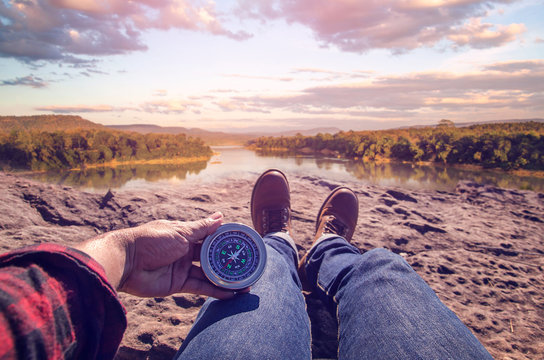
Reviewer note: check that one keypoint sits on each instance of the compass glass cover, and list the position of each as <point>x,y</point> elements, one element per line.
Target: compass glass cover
<point>234,256</point>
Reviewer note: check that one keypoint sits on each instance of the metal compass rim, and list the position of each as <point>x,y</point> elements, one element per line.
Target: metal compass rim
<point>216,278</point>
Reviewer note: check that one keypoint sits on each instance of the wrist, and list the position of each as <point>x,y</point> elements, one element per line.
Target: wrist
<point>110,251</point>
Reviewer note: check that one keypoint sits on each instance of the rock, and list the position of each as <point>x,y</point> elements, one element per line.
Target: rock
<point>424,228</point>
<point>401,196</point>
<point>484,259</point>
<point>106,199</point>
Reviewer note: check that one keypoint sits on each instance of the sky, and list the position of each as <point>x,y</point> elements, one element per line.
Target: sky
<point>273,65</point>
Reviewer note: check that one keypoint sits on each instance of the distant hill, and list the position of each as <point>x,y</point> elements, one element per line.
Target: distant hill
<point>309,132</point>
<point>46,123</point>
<point>72,122</point>
<point>465,124</point>
<point>209,137</point>
<point>497,122</point>
<point>217,137</point>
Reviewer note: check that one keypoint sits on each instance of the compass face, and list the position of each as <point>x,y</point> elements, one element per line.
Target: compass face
<point>234,256</point>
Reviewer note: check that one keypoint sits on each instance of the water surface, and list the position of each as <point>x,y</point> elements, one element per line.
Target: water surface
<point>243,163</point>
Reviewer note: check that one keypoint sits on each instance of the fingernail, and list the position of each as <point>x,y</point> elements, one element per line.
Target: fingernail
<point>216,216</point>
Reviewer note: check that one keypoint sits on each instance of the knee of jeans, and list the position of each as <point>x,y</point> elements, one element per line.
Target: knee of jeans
<point>274,259</point>
<point>383,256</point>
<point>276,263</point>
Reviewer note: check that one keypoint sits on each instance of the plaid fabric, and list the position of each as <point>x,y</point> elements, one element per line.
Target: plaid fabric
<point>56,303</point>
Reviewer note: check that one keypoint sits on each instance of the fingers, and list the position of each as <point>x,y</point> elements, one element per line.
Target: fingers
<point>204,287</point>
<point>198,230</point>
<point>197,283</point>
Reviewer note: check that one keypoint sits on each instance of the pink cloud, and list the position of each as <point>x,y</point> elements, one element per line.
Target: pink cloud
<point>511,85</point>
<point>478,35</point>
<point>169,106</point>
<point>260,77</point>
<point>67,29</point>
<point>399,25</point>
<point>513,88</point>
<point>520,65</point>
<point>75,109</point>
<point>237,105</point>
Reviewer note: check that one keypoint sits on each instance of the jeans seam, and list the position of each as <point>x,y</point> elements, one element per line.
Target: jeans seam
<point>309,324</point>
<point>329,236</point>
<point>338,331</point>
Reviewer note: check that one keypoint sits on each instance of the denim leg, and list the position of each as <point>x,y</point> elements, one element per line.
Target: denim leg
<point>384,309</point>
<point>270,322</point>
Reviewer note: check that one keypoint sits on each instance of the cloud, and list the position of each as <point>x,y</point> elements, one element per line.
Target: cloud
<point>73,30</point>
<point>514,66</point>
<point>259,77</point>
<point>510,85</point>
<point>224,91</point>
<point>481,36</point>
<point>30,80</point>
<point>504,89</point>
<point>77,109</point>
<point>169,106</point>
<point>237,105</point>
<point>332,75</point>
<point>398,25</point>
<point>160,92</point>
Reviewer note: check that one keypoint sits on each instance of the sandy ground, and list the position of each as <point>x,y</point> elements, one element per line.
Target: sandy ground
<point>480,248</point>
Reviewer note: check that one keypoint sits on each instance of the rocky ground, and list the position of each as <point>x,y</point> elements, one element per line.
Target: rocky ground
<point>480,248</point>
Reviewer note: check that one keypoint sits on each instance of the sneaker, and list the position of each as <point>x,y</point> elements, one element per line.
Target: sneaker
<point>271,203</point>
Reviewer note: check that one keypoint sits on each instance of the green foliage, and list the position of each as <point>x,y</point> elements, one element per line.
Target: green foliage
<point>507,146</point>
<point>39,150</point>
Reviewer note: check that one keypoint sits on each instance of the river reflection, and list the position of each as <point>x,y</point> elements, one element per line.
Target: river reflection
<point>242,163</point>
<point>117,177</point>
<point>437,177</point>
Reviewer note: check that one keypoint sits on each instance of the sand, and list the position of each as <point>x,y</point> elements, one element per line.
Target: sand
<point>479,247</point>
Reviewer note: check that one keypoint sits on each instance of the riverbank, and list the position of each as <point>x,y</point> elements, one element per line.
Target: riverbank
<point>479,248</point>
<point>382,160</point>
<point>161,161</point>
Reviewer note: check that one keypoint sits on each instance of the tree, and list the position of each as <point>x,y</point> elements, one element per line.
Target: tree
<point>445,123</point>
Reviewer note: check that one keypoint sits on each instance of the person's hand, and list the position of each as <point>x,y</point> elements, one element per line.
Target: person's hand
<point>156,259</point>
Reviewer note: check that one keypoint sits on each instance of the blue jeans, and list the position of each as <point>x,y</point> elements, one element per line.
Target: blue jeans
<point>384,310</point>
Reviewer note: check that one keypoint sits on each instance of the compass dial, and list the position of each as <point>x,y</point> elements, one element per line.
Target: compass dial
<point>234,256</point>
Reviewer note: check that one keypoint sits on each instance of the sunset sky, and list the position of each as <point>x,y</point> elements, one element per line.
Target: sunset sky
<point>270,65</point>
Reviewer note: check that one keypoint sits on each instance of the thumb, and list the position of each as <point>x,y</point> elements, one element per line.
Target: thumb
<point>198,230</point>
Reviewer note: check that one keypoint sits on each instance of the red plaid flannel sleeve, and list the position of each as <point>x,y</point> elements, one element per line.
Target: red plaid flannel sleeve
<point>56,303</point>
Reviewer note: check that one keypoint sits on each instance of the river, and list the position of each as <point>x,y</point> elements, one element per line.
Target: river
<point>240,162</point>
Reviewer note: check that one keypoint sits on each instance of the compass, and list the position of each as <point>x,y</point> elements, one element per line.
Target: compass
<point>234,257</point>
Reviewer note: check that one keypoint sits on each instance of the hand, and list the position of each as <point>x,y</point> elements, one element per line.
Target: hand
<point>156,259</point>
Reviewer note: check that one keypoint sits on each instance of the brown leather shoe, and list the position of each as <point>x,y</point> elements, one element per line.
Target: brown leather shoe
<point>338,214</point>
<point>271,203</point>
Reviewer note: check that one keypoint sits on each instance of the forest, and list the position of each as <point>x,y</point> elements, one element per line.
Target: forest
<point>45,150</point>
<point>508,146</point>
